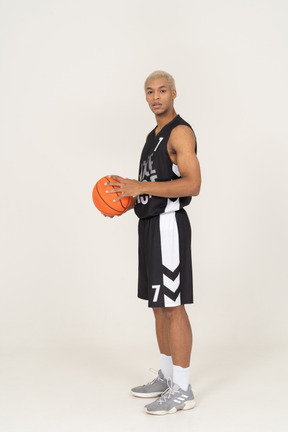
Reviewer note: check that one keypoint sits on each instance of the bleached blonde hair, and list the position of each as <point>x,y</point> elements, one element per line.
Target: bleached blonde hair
<point>160,74</point>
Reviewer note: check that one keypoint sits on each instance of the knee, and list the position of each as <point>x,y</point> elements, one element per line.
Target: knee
<point>172,313</point>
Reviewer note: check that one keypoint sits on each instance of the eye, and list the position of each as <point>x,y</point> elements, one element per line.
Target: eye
<point>149,92</point>
<point>163,91</point>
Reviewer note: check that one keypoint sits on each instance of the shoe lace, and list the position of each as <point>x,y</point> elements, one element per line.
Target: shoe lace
<point>168,393</point>
<point>155,379</point>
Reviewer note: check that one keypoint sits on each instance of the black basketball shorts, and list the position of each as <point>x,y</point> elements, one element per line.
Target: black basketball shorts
<point>165,265</point>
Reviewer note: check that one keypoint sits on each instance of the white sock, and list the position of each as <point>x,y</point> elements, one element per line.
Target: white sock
<point>166,366</point>
<point>181,376</point>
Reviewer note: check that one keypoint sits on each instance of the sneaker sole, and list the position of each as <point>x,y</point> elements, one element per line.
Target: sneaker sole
<point>147,395</point>
<point>188,405</point>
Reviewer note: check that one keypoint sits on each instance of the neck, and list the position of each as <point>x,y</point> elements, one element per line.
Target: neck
<point>162,120</point>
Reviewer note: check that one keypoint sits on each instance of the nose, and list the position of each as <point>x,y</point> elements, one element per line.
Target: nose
<point>156,95</point>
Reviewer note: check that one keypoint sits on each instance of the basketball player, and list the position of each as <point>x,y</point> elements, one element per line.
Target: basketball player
<point>169,175</point>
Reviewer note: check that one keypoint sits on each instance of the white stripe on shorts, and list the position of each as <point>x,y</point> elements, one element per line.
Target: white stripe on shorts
<point>169,237</point>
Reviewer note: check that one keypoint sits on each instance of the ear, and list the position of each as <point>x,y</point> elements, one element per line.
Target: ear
<point>174,94</point>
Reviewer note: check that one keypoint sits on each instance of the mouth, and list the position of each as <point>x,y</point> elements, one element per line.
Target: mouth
<point>156,105</point>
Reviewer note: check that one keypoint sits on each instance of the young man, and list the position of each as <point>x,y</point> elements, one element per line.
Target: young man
<point>169,175</point>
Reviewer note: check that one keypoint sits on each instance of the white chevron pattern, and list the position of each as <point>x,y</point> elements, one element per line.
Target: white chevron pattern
<point>172,285</point>
<point>168,302</point>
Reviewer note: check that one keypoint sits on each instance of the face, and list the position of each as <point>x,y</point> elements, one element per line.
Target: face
<point>159,95</point>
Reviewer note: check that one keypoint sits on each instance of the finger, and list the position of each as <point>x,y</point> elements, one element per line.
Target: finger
<point>119,197</point>
<point>115,191</point>
<point>115,184</point>
<point>117,178</point>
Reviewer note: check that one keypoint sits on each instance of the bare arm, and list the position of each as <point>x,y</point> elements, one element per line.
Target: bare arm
<point>181,149</point>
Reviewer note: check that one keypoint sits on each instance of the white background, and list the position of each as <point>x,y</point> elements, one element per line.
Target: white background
<point>73,110</point>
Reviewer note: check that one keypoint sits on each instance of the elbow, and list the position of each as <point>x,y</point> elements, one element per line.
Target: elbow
<point>196,192</point>
<point>192,187</point>
<point>195,189</point>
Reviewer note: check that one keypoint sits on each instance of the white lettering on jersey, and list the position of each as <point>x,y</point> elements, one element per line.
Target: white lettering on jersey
<point>160,139</point>
<point>143,199</point>
<point>144,170</point>
<point>157,289</point>
<point>147,173</point>
<point>150,163</point>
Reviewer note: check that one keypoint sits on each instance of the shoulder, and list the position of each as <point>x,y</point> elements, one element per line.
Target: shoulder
<point>182,130</point>
<point>182,135</point>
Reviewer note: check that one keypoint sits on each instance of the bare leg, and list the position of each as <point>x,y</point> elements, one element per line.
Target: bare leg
<point>179,335</point>
<point>162,332</point>
<point>174,334</point>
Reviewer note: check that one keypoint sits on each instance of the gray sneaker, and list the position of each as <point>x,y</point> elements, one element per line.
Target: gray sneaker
<point>173,400</point>
<point>154,388</point>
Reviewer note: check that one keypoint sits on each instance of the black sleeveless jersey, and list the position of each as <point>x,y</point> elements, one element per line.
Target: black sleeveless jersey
<point>156,165</point>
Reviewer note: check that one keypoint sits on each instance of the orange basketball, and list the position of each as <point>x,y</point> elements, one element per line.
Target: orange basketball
<point>104,202</point>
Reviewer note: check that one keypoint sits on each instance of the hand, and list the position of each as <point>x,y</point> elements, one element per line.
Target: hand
<point>127,187</point>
